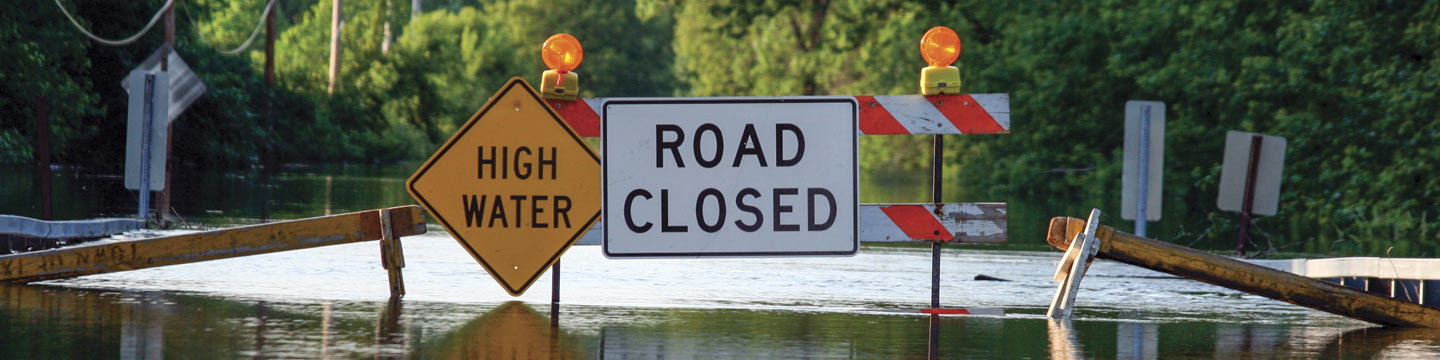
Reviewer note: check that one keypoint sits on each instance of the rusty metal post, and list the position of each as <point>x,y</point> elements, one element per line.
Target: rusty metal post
<point>42,155</point>
<point>937,171</point>
<point>1248,203</point>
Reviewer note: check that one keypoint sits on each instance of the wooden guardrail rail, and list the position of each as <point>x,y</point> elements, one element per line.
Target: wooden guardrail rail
<point>1247,277</point>
<point>218,244</point>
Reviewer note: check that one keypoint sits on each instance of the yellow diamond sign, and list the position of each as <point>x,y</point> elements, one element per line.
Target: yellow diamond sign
<point>515,186</point>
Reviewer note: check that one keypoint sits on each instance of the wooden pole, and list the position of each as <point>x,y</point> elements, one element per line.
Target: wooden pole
<point>270,48</point>
<point>162,203</point>
<point>269,152</point>
<point>210,245</point>
<point>335,24</point>
<point>42,155</point>
<point>1239,275</point>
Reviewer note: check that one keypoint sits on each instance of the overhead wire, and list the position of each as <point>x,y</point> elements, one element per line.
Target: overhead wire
<point>121,42</point>
<point>261,25</point>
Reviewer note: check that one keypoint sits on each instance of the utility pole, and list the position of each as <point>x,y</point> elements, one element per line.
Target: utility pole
<point>162,205</point>
<point>335,25</point>
<point>269,88</point>
<point>385,43</point>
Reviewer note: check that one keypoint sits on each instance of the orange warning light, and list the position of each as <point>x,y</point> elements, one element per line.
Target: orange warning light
<point>940,46</point>
<point>563,53</point>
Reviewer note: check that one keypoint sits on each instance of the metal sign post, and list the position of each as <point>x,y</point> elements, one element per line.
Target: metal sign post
<point>145,143</point>
<point>1140,220</point>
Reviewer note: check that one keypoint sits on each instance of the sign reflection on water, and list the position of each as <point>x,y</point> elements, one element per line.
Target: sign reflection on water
<point>511,331</point>
<point>58,322</point>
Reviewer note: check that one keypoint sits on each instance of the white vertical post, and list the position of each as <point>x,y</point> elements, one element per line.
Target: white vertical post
<point>145,146</point>
<point>1144,168</point>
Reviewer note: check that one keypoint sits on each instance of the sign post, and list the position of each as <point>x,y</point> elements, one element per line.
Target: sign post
<point>704,177</point>
<point>515,186</point>
<point>1144,166</point>
<point>1250,178</point>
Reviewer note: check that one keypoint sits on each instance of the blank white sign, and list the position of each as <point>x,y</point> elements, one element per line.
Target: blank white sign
<point>1267,174</point>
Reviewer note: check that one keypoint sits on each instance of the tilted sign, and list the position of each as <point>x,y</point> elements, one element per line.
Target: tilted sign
<point>515,186</point>
<point>185,87</point>
<point>730,177</point>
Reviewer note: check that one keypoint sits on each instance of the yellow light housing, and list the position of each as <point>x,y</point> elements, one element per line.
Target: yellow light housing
<point>940,47</point>
<point>562,53</point>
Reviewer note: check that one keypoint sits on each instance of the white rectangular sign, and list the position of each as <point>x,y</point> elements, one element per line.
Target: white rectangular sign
<point>134,131</point>
<point>1268,173</point>
<point>690,177</point>
<point>1136,113</point>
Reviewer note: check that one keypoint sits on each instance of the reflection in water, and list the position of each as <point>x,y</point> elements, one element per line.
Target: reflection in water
<point>1394,343</point>
<point>391,339</point>
<point>142,329</point>
<point>1063,344</point>
<point>511,331</point>
<point>1137,340</point>
<point>57,322</point>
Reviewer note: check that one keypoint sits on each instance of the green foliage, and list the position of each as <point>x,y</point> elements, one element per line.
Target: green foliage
<point>1352,85</point>
<point>42,58</point>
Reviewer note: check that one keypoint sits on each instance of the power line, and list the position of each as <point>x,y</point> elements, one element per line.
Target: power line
<point>261,25</point>
<point>121,42</point>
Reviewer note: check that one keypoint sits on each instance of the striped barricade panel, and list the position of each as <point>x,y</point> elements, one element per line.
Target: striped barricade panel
<point>879,115</point>
<point>970,223</point>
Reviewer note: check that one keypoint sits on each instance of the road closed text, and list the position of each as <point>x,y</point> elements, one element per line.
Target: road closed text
<point>729,178</point>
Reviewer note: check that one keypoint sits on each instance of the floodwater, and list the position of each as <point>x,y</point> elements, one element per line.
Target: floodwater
<point>332,302</point>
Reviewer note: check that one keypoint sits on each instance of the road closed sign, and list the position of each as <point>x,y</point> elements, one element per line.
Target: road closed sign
<point>730,177</point>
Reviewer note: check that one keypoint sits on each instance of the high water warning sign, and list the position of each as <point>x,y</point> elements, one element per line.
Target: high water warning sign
<point>515,186</point>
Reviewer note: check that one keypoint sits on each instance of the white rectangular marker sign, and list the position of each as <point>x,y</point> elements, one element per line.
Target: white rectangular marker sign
<point>687,177</point>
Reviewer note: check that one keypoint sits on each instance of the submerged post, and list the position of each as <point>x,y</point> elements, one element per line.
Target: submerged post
<point>1239,275</point>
